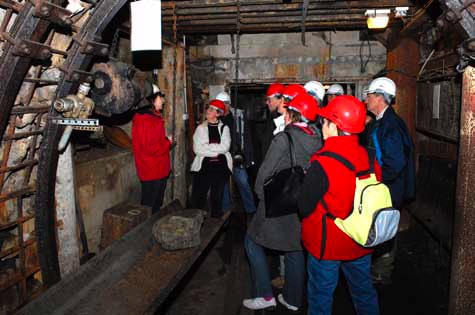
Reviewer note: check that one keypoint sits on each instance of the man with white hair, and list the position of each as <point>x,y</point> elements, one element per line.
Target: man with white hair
<point>390,142</point>
<point>241,150</point>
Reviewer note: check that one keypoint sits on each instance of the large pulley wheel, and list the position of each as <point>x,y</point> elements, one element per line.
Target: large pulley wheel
<point>31,67</point>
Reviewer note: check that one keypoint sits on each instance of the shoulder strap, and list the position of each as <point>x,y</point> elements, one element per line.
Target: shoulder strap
<point>293,159</point>
<point>339,158</point>
<point>371,166</point>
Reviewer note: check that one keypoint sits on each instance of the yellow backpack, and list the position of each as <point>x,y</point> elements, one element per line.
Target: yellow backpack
<point>373,219</point>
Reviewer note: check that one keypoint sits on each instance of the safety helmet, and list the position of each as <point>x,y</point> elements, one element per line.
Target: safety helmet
<point>315,89</point>
<point>335,89</point>
<point>382,85</point>
<point>292,90</point>
<point>218,105</point>
<point>275,90</point>
<point>306,105</point>
<point>224,97</point>
<point>156,89</point>
<point>347,112</point>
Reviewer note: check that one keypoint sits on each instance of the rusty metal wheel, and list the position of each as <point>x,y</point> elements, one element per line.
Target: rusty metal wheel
<point>45,53</point>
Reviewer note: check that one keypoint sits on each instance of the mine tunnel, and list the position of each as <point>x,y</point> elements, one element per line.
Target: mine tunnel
<point>88,227</point>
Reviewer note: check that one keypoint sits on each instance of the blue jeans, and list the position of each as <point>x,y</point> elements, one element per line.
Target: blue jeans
<point>241,180</point>
<point>323,279</point>
<point>260,279</point>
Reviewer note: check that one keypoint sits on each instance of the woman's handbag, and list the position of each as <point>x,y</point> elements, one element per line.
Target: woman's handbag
<point>281,190</point>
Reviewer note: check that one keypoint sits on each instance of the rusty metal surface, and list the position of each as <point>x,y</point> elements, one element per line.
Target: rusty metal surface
<point>402,66</point>
<point>44,198</point>
<point>461,14</point>
<point>20,45</point>
<point>117,87</point>
<point>268,16</point>
<point>119,220</point>
<point>447,125</point>
<point>462,282</point>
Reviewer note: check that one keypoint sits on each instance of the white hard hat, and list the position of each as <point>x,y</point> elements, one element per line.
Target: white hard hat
<point>315,89</point>
<point>335,89</point>
<point>382,85</point>
<point>223,97</point>
<point>155,89</point>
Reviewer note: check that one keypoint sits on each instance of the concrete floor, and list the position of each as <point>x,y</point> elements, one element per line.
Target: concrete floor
<point>220,281</point>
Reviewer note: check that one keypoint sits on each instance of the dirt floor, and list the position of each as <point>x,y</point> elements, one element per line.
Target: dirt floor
<point>220,281</point>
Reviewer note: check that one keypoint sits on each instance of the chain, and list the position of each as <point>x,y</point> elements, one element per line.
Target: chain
<point>175,69</point>
<point>114,45</point>
<point>236,62</point>
<point>236,66</point>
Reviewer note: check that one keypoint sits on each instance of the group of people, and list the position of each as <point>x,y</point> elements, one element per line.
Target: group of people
<point>298,115</point>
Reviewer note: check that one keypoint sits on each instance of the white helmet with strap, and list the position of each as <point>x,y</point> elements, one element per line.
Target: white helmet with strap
<point>315,89</point>
<point>223,97</point>
<point>382,85</point>
<point>335,89</point>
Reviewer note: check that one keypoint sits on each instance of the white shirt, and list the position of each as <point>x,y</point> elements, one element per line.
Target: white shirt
<point>279,124</point>
<point>380,115</point>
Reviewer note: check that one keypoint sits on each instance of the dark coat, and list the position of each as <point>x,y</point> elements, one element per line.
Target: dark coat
<point>281,233</point>
<point>396,156</point>
<point>268,134</point>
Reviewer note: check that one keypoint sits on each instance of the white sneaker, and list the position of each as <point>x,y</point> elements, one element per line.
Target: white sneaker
<point>280,297</point>
<point>259,303</point>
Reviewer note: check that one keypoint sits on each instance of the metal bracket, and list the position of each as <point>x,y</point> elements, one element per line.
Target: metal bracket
<point>53,13</point>
<point>78,75</point>
<point>87,124</point>
<point>31,49</point>
<point>94,48</point>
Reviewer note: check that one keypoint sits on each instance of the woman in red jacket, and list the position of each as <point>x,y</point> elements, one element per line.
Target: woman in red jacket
<point>329,182</point>
<point>151,149</point>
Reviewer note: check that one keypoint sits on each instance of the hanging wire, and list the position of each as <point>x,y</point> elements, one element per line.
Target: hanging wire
<point>363,64</point>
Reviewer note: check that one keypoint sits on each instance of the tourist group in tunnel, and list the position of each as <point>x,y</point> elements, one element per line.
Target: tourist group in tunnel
<point>318,147</point>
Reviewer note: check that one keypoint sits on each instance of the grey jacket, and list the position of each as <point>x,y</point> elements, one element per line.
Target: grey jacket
<point>281,233</point>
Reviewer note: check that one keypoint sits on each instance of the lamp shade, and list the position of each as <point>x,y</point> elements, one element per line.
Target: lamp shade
<point>380,21</point>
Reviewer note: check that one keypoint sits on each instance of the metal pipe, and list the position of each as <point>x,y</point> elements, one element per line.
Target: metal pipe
<point>220,15</point>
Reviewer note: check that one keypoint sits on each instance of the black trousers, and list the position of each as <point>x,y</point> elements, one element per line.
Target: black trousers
<point>153,192</point>
<point>210,177</point>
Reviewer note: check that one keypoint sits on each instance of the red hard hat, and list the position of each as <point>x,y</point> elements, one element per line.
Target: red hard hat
<point>306,105</point>
<point>347,112</point>
<point>218,105</point>
<point>293,90</point>
<point>275,89</point>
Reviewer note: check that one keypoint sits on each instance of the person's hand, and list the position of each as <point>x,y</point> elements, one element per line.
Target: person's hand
<point>172,140</point>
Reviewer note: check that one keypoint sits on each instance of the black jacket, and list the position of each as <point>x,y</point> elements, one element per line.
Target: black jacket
<point>396,156</point>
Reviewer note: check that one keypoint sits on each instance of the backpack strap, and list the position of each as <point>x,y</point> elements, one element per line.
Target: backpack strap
<point>348,164</point>
<point>324,227</point>
<point>339,158</point>
<point>371,166</point>
<point>293,159</point>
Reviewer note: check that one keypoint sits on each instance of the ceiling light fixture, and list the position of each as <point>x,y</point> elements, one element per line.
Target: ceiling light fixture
<point>377,18</point>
